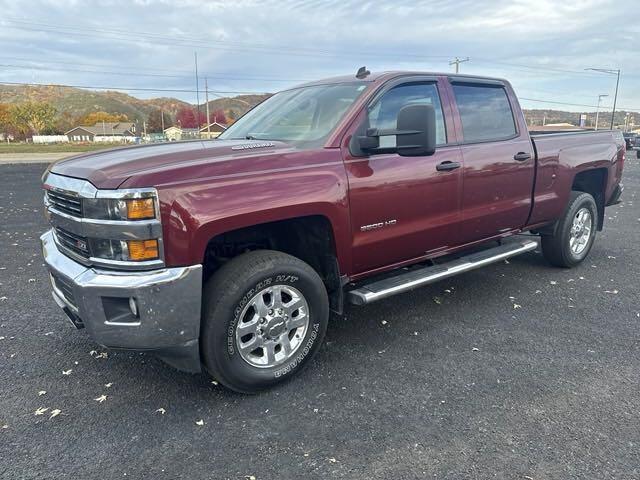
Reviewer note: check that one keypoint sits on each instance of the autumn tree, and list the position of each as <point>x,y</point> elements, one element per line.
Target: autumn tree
<point>33,117</point>
<point>99,117</point>
<point>65,122</point>
<point>5,119</point>
<point>155,122</point>
<point>186,118</point>
<point>218,116</point>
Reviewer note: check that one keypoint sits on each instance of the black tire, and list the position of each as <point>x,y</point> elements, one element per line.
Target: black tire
<point>229,291</point>
<point>556,248</point>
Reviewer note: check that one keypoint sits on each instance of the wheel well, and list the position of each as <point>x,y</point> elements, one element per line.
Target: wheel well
<point>308,238</point>
<point>593,182</point>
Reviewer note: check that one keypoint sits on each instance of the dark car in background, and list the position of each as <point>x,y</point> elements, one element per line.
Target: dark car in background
<point>631,140</point>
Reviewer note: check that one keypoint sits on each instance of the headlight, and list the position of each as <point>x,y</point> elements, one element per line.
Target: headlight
<point>125,250</point>
<point>119,209</point>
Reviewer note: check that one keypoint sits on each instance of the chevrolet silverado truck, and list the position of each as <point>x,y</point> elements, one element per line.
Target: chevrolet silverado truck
<point>229,255</point>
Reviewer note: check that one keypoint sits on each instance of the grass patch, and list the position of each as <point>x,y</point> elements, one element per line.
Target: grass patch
<point>54,147</point>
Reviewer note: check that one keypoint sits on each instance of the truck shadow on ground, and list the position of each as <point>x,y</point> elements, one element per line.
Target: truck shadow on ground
<point>470,301</point>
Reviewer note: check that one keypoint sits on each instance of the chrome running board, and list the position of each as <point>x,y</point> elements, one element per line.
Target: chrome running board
<point>405,281</point>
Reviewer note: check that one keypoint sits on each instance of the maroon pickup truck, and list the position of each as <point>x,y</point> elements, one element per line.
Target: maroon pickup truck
<point>229,255</point>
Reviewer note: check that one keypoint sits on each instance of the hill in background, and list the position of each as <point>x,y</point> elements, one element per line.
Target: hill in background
<point>72,104</point>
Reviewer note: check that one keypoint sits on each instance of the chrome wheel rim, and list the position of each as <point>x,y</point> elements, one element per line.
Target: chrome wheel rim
<point>581,229</point>
<point>272,326</point>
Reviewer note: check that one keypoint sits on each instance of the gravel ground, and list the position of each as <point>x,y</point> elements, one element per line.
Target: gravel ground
<point>517,370</point>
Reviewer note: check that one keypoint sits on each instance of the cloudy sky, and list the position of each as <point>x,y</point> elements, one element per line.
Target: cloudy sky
<point>148,46</point>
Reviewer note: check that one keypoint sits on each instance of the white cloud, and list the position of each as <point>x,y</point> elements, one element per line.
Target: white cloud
<point>265,46</point>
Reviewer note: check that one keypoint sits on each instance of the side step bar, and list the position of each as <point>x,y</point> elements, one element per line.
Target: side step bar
<point>406,281</point>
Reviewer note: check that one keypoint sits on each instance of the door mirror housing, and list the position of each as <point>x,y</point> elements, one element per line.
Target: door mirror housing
<point>415,134</point>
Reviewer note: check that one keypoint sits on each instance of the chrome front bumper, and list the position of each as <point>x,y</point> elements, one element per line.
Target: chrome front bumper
<point>168,306</point>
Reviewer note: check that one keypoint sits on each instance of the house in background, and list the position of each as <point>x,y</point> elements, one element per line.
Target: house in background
<point>103,132</point>
<point>212,130</point>
<point>174,134</point>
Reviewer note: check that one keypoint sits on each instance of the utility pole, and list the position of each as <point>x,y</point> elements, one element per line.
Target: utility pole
<point>615,72</point>
<point>457,62</point>
<point>195,56</point>
<point>600,97</point>
<point>162,120</point>
<point>206,94</point>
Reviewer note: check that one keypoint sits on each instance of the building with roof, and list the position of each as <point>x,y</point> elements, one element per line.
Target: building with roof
<point>103,132</point>
<point>176,133</point>
<point>212,130</point>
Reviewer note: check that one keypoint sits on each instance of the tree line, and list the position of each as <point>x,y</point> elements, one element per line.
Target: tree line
<point>22,120</point>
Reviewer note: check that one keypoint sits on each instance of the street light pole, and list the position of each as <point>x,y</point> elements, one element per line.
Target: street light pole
<point>615,72</point>
<point>615,98</point>
<point>600,97</point>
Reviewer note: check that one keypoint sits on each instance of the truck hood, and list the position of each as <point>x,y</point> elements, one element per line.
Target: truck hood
<point>109,169</point>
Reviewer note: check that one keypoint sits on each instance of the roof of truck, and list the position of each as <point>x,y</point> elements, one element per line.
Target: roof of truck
<point>383,76</point>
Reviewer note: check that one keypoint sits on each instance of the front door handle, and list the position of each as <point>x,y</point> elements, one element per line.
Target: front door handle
<point>522,156</point>
<point>447,165</point>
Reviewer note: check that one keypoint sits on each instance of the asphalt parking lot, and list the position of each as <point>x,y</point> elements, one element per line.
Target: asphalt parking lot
<point>518,370</point>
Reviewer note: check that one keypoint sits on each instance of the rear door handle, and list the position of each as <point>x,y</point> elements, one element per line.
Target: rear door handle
<point>447,165</point>
<point>522,156</point>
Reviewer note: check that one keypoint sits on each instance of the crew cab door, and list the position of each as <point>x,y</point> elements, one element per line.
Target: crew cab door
<point>403,207</point>
<point>499,163</point>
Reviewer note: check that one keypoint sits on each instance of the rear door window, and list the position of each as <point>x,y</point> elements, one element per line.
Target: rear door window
<point>485,112</point>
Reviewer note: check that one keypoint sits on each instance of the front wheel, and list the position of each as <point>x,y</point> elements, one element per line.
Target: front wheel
<point>265,314</point>
<point>575,232</point>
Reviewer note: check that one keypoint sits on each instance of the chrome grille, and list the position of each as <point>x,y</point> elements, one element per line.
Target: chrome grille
<point>65,203</point>
<point>65,288</point>
<point>73,242</point>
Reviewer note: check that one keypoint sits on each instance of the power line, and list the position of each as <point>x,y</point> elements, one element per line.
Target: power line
<point>205,43</point>
<point>94,87</point>
<point>574,104</point>
<point>186,74</point>
<point>236,92</point>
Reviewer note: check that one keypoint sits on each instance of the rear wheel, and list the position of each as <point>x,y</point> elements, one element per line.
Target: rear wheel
<point>575,232</point>
<point>265,315</point>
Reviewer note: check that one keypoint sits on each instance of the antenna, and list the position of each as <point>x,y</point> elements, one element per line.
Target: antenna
<point>363,73</point>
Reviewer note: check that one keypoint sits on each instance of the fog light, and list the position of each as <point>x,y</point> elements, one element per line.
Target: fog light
<point>133,306</point>
<point>142,249</point>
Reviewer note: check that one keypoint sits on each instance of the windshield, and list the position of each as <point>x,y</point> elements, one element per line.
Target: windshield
<point>302,116</point>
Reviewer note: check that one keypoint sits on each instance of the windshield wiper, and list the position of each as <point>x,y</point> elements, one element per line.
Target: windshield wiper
<point>252,136</point>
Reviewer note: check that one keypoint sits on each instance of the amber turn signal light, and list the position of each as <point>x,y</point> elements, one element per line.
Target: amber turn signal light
<point>143,249</point>
<point>140,209</point>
